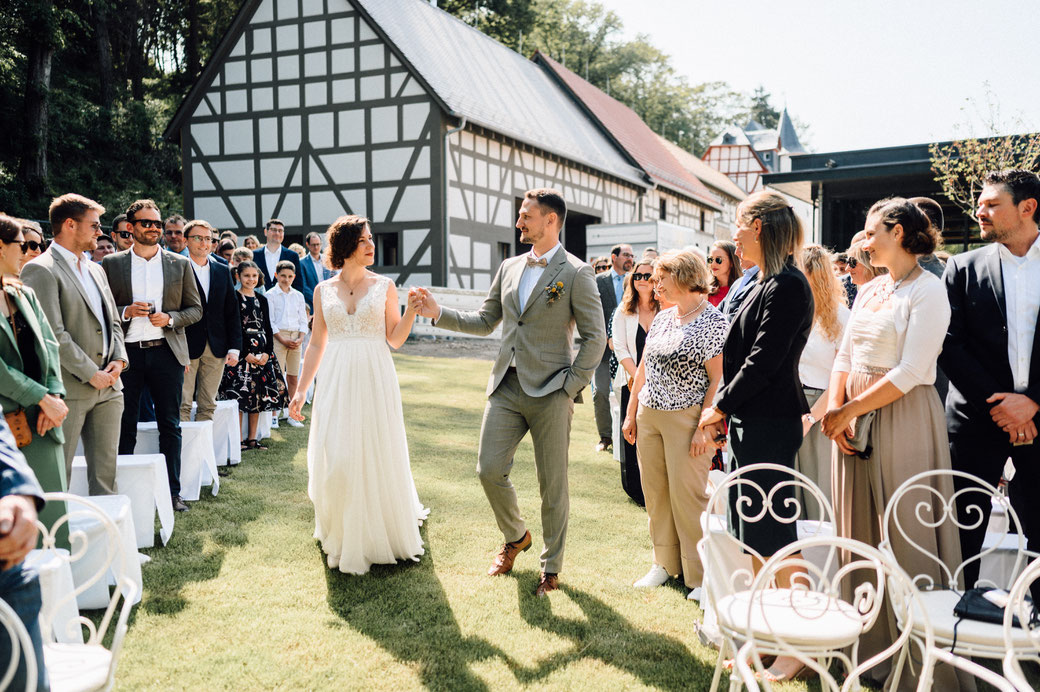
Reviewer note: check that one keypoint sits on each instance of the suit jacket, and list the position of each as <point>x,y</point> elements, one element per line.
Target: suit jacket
<point>287,254</point>
<point>735,297</point>
<point>763,347</point>
<point>221,323</point>
<point>975,351</point>
<point>541,335</point>
<point>16,389</point>
<point>310,279</point>
<point>180,300</point>
<point>605,286</point>
<point>80,338</point>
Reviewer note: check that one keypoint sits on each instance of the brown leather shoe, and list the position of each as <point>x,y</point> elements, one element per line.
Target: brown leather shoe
<point>548,582</point>
<point>504,560</point>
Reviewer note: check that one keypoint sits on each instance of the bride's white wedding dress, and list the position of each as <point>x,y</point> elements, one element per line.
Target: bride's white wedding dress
<point>366,509</point>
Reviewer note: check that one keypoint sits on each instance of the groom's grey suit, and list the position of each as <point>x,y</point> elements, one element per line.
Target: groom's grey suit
<point>533,385</point>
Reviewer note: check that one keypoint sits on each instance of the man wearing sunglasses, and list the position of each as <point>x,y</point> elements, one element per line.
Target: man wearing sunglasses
<point>173,235</point>
<point>611,288</point>
<point>122,238</point>
<point>157,297</point>
<point>76,298</point>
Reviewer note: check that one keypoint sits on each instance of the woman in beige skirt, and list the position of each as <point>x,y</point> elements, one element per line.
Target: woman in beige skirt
<point>887,364</point>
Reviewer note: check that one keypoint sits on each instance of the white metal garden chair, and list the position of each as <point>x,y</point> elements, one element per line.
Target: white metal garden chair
<point>1015,638</point>
<point>721,578</point>
<point>918,503</point>
<point>88,666</point>
<point>21,647</point>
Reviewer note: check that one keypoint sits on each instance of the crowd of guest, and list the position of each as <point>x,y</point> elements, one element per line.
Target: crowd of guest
<point>837,365</point>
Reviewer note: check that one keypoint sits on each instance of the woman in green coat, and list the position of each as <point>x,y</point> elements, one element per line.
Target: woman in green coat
<point>30,374</point>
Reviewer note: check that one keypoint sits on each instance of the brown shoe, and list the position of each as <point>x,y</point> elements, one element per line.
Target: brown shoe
<point>504,560</point>
<point>548,582</point>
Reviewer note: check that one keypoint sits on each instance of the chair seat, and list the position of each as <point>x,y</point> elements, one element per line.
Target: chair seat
<point>939,605</point>
<point>798,617</point>
<point>77,667</point>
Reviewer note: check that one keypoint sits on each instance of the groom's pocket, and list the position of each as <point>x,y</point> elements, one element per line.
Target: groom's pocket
<point>559,358</point>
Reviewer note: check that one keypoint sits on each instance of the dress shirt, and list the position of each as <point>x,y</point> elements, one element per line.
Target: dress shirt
<point>183,253</point>
<point>619,285</point>
<point>318,267</point>
<point>532,273</point>
<point>146,280</point>
<point>271,260</point>
<point>202,274</point>
<point>81,269</point>
<point>288,309</point>
<point>1022,300</point>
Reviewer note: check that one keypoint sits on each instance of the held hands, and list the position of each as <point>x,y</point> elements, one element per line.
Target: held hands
<point>17,528</point>
<point>422,302</point>
<point>837,425</point>
<point>1014,414</point>
<point>52,413</point>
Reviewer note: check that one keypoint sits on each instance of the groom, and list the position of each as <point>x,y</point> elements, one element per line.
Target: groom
<point>539,298</point>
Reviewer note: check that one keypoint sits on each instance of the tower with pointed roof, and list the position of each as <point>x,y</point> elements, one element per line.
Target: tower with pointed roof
<point>747,153</point>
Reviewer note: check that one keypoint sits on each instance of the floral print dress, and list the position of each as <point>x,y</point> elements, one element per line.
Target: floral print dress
<point>256,388</point>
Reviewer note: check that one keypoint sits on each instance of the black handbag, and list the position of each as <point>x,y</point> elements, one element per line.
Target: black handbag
<point>975,606</point>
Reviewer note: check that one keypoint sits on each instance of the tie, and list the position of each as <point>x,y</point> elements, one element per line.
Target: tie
<point>532,262</point>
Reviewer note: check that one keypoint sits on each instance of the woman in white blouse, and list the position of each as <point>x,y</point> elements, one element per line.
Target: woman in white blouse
<point>630,324</point>
<point>680,368</point>
<point>887,364</point>
<point>830,315</point>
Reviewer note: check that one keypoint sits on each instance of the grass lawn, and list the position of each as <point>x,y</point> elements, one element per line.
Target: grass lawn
<point>241,599</point>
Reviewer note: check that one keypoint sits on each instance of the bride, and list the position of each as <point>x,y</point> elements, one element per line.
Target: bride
<point>366,509</point>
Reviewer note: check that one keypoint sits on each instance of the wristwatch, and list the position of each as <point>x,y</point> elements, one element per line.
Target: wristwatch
<point>809,418</point>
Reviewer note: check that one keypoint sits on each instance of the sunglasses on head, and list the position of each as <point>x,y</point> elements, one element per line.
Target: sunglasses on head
<point>148,223</point>
<point>851,263</point>
<point>716,260</point>
<point>642,277</point>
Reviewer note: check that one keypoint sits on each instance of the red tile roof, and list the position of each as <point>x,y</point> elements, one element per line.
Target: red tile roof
<point>631,134</point>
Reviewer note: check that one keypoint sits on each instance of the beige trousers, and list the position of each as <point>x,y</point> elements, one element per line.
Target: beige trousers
<point>288,361</point>
<point>674,486</point>
<point>201,382</point>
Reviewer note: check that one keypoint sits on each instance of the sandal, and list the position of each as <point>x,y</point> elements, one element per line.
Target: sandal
<point>255,444</point>
<point>803,673</point>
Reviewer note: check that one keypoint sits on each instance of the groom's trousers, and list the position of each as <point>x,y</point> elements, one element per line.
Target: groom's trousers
<point>509,414</point>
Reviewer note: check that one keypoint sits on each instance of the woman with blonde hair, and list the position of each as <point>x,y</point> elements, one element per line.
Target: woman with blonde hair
<point>680,370</point>
<point>725,270</point>
<point>830,315</point>
<point>859,266</point>
<point>630,325</point>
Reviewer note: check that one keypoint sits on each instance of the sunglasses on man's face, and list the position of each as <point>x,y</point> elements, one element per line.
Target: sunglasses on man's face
<point>716,260</point>
<point>147,223</point>
<point>642,277</point>
<point>125,235</point>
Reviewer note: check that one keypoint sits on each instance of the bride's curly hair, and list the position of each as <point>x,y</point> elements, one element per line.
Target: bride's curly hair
<point>343,237</point>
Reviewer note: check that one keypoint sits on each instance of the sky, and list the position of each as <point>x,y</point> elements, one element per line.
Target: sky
<point>860,74</point>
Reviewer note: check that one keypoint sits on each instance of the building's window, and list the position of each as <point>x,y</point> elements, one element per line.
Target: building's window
<point>386,250</point>
<point>664,209</point>
<point>703,227</point>
<point>505,251</point>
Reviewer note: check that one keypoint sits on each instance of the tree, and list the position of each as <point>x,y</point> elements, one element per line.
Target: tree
<point>40,22</point>
<point>762,111</point>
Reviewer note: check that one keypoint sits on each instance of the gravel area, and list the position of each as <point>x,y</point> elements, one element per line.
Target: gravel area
<point>480,349</point>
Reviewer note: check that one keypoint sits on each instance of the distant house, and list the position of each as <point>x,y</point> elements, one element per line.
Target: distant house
<point>747,153</point>
<point>725,190</point>
<point>395,110</point>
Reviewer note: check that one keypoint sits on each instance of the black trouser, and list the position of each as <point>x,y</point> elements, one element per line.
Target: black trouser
<point>983,451</point>
<point>157,369</point>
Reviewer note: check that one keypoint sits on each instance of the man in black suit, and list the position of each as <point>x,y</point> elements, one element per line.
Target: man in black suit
<point>216,339</point>
<point>991,356</point>
<point>268,256</point>
<point>611,287</point>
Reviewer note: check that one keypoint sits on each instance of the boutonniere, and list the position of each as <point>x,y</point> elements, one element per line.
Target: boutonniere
<point>553,291</point>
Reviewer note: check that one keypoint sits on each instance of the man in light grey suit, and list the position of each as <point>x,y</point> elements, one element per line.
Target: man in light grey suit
<point>538,298</point>
<point>157,297</point>
<point>75,296</point>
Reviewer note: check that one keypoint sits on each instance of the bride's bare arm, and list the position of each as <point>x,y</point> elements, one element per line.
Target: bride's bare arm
<point>398,326</point>
<point>312,358</point>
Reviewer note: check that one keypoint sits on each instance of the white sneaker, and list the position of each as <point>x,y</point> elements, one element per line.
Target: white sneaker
<point>695,595</point>
<point>274,421</point>
<point>655,577</point>
<point>293,423</point>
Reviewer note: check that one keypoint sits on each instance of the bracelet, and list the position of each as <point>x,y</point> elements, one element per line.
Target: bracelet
<point>809,418</point>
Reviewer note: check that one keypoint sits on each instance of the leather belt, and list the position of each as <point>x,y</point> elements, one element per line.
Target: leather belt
<point>151,343</point>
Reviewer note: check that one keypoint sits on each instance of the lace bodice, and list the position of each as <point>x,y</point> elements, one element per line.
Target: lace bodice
<point>368,320</point>
<point>875,341</point>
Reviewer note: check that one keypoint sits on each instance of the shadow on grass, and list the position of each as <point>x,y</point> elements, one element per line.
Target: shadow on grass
<point>405,610</point>
<point>657,660</point>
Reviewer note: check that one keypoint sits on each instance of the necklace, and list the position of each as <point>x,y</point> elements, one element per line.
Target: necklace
<point>685,315</point>
<point>889,287</point>
<point>356,284</point>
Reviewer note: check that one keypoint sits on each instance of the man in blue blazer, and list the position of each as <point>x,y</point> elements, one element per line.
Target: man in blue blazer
<point>993,358</point>
<point>216,339</point>
<point>313,269</point>
<point>268,256</point>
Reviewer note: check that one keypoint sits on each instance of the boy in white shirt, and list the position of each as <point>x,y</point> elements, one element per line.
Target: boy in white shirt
<point>289,324</point>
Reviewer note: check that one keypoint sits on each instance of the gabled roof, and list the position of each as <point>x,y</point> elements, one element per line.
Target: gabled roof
<point>735,136</point>
<point>470,75</point>
<point>630,133</point>
<point>707,175</point>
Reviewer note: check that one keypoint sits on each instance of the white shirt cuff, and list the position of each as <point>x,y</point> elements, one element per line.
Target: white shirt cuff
<point>233,352</point>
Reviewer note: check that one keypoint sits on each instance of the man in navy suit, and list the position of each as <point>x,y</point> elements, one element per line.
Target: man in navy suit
<point>312,268</point>
<point>216,339</point>
<point>268,256</point>
<point>992,358</point>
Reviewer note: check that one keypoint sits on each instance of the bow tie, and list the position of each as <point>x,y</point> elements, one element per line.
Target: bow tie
<point>532,262</point>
